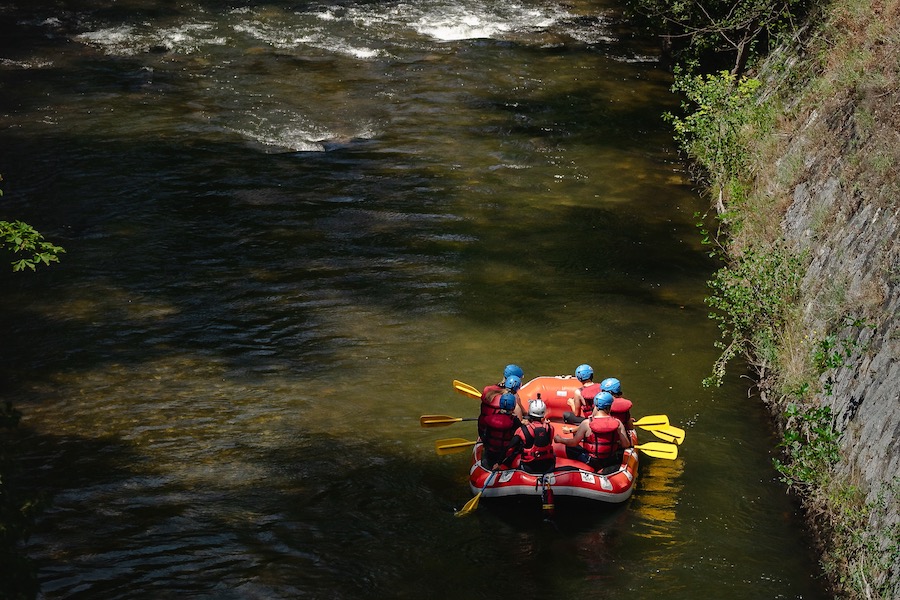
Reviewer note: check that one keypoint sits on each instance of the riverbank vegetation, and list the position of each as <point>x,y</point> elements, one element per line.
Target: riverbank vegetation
<point>26,244</point>
<point>739,130</point>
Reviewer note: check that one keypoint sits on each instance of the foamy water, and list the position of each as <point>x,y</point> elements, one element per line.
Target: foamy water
<point>391,29</point>
<point>128,40</point>
<point>377,33</point>
<point>332,28</point>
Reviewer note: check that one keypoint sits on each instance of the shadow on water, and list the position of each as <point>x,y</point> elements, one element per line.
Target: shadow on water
<point>573,516</point>
<point>300,526</point>
<point>307,522</point>
<point>35,469</point>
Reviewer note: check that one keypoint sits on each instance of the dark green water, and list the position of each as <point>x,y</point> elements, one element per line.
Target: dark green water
<point>289,227</point>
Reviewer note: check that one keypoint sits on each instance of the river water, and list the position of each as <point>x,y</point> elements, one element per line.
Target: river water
<point>289,227</point>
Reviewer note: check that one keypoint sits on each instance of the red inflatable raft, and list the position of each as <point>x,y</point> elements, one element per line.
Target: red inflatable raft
<point>570,477</point>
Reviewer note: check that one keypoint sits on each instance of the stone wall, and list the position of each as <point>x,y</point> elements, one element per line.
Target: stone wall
<point>858,260</point>
<point>850,227</point>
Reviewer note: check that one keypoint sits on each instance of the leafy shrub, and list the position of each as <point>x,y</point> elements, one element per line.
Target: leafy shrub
<point>20,237</point>
<point>811,446</point>
<point>752,298</point>
<point>721,111</point>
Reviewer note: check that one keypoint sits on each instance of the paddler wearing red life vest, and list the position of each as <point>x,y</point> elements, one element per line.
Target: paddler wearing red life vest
<point>621,407</point>
<point>512,381</point>
<point>496,430</point>
<point>582,402</point>
<point>534,441</point>
<point>599,439</point>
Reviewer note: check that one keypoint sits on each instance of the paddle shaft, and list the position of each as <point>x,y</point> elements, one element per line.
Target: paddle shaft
<point>442,420</point>
<point>473,503</point>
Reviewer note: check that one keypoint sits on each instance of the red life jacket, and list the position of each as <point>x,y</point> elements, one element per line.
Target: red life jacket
<point>589,392</point>
<point>496,430</point>
<point>601,442</point>
<point>538,440</point>
<point>621,409</point>
<point>490,399</point>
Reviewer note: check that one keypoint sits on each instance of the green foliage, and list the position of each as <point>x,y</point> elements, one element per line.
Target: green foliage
<point>752,298</point>
<point>860,554</point>
<point>826,356</point>
<point>19,237</point>
<point>811,447</point>
<point>863,554</point>
<point>721,112</point>
<point>832,353</point>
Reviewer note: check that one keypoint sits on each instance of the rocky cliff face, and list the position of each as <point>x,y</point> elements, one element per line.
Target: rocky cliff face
<point>838,177</point>
<point>856,266</point>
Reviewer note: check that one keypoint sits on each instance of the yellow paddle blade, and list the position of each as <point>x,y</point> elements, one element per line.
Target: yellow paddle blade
<point>452,445</point>
<point>668,433</point>
<point>651,421</point>
<point>440,420</point>
<point>473,503</point>
<point>469,506</point>
<point>666,437</point>
<point>659,450</point>
<point>465,389</point>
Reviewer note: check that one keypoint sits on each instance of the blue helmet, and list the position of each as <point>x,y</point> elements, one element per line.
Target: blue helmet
<point>611,385</point>
<point>513,370</point>
<point>512,383</point>
<point>507,401</point>
<point>584,372</point>
<point>603,400</point>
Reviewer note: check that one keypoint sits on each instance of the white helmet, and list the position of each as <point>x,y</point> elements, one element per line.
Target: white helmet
<point>537,409</point>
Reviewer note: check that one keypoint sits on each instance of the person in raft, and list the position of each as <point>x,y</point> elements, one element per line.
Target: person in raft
<point>601,437</point>
<point>497,430</point>
<point>534,441</point>
<point>490,395</point>
<point>582,404</point>
<point>516,370</point>
<point>621,407</point>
